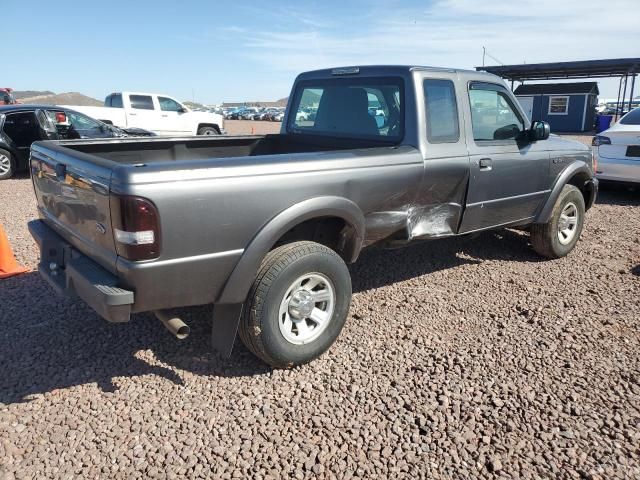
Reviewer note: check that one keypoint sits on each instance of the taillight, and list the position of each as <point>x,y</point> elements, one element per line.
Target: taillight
<point>136,227</point>
<point>600,140</point>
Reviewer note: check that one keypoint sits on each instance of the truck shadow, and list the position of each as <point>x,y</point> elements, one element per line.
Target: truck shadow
<point>619,195</point>
<point>50,343</point>
<point>376,267</point>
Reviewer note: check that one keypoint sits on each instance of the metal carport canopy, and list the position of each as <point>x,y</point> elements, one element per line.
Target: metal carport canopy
<point>619,67</point>
<point>614,67</point>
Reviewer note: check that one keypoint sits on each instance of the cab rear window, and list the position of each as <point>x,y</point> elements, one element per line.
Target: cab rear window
<point>354,107</point>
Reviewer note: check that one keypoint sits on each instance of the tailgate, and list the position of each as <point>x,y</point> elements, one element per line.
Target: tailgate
<point>72,192</point>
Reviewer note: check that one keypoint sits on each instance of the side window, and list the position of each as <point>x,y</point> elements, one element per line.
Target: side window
<point>493,115</point>
<point>558,105</point>
<point>169,105</point>
<point>83,123</point>
<point>22,128</point>
<point>141,102</point>
<point>442,111</point>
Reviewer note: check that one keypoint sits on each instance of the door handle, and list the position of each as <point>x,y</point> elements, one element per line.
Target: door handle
<point>164,115</point>
<point>133,114</point>
<point>485,164</point>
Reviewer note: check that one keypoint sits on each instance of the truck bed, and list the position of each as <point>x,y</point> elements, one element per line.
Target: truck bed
<point>159,149</point>
<point>197,186</point>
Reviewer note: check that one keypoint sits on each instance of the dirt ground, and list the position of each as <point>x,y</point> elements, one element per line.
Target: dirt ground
<point>248,127</point>
<point>461,358</point>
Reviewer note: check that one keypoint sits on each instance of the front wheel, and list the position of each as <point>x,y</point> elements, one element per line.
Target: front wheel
<point>559,235</point>
<point>208,131</point>
<point>7,165</point>
<point>297,305</point>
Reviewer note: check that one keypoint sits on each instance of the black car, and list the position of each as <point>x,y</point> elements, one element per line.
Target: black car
<point>21,125</point>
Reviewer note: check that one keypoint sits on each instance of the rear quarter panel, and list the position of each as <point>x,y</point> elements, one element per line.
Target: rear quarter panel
<point>210,214</point>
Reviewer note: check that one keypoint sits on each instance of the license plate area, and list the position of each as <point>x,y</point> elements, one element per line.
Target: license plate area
<point>633,151</point>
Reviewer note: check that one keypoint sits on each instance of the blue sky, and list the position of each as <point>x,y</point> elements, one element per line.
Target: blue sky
<point>219,51</point>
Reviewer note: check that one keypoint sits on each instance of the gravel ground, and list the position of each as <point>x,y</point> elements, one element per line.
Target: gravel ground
<point>462,358</point>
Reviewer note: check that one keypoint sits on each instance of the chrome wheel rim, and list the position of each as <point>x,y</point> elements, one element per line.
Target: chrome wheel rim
<point>307,308</point>
<point>5,164</point>
<point>568,223</point>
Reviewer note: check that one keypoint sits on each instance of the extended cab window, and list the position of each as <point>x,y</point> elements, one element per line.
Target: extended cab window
<point>169,105</point>
<point>442,111</point>
<point>493,115</point>
<point>141,102</point>
<point>348,107</point>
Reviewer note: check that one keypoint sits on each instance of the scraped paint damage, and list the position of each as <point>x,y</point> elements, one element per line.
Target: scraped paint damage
<point>429,221</point>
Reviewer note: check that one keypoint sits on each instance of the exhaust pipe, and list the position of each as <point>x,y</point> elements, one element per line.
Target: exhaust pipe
<point>174,324</point>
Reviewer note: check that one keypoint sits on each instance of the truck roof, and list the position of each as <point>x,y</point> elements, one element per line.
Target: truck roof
<point>20,107</point>
<point>127,92</point>
<point>392,70</point>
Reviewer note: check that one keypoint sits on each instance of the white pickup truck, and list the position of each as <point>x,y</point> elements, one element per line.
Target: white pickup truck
<point>158,113</point>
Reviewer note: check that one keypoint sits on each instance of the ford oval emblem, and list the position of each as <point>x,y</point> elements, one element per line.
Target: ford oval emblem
<point>101,228</point>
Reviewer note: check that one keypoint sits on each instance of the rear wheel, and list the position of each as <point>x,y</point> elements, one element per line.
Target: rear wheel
<point>297,305</point>
<point>7,165</point>
<point>208,131</point>
<point>559,235</point>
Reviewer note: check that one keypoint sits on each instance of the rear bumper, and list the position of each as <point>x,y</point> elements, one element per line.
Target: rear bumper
<point>627,171</point>
<point>618,169</point>
<point>71,273</point>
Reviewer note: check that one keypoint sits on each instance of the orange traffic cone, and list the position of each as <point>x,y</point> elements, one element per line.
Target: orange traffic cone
<point>8,264</point>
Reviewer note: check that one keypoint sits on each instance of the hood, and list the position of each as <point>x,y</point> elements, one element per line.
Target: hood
<point>556,142</point>
<point>206,115</point>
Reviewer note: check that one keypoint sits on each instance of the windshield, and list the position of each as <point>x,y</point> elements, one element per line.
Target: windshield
<point>631,118</point>
<point>349,107</point>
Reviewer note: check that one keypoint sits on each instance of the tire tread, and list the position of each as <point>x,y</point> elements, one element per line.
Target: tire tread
<point>274,262</point>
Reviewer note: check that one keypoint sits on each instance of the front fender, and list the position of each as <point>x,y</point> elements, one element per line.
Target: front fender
<point>573,169</point>
<point>241,279</point>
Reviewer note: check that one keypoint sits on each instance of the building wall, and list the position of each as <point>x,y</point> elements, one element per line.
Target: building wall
<point>572,122</point>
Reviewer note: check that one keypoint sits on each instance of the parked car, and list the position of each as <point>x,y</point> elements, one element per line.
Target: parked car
<point>248,113</point>
<point>258,115</point>
<point>233,114</point>
<point>617,150</point>
<point>263,227</point>
<point>158,113</point>
<point>21,125</point>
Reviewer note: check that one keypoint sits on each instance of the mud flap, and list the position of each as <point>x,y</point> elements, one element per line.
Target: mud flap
<point>226,318</point>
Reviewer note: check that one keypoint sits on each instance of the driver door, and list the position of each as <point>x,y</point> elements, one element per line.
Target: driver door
<point>173,119</point>
<point>508,174</point>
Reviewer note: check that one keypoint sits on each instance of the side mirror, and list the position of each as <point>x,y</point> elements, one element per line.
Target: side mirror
<point>182,110</point>
<point>539,131</point>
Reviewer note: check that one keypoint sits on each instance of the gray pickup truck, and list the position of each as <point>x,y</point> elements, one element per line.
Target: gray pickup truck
<point>262,227</point>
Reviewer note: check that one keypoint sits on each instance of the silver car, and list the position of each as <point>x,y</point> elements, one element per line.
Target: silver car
<point>617,150</point>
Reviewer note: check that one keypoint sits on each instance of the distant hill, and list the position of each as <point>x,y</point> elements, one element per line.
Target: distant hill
<point>50,98</point>
<point>19,95</point>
